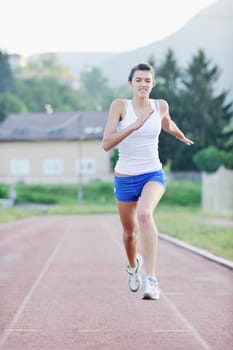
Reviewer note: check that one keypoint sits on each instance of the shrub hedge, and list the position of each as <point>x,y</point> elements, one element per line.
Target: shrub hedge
<point>101,193</point>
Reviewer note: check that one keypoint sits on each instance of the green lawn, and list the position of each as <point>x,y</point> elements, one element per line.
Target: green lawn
<point>181,222</point>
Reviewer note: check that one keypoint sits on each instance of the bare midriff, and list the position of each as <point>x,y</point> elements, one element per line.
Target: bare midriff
<point>123,175</point>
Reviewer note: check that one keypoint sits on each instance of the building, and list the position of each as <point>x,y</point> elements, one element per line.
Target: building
<point>57,148</point>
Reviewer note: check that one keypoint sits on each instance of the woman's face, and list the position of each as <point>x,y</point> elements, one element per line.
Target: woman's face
<point>142,83</point>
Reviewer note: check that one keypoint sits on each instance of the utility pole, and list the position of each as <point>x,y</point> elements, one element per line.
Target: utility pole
<point>79,140</point>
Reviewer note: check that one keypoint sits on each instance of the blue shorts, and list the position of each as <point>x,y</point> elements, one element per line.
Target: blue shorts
<point>129,188</point>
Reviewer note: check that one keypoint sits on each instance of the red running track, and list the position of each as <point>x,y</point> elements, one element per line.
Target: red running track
<point>63,286</point>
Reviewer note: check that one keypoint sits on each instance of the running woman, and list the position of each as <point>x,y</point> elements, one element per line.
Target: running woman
<point>139,181</point>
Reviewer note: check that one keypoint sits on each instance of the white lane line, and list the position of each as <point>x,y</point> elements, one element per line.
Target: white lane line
<point>188,325</point>
<point>171,330</point>
<point>22,330</point>
<point>18,314</point>
<point>94,330</point>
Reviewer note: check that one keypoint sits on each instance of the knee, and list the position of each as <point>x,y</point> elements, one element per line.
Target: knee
<point>144,216</point>
<point>130,236</point>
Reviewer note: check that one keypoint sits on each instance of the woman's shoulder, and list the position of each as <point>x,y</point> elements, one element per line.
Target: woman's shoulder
<point>163,104</point>
<point>161,101</point>
<point>119,103</point>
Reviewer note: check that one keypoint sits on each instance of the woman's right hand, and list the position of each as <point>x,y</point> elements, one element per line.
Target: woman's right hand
<point>143,118</point>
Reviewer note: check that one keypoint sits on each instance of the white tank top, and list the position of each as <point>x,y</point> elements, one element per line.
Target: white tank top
<point>138,152</point>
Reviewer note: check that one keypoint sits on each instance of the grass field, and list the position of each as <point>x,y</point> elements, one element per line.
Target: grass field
<point>186,224</point>
<point>178,215</point>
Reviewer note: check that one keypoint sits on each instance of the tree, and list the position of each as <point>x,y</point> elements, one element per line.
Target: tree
<point>6,76</point>
<point>200,112</point>
<point>94,86</point>
<point>36,93</point>
<point>209,112</point>
<point>168,82</point>
<point>228,131</point>
<point>209,159</point>
<point>206,113</point>
<point>169,74</point>
<point>10,104</point>
<point>44,65</point>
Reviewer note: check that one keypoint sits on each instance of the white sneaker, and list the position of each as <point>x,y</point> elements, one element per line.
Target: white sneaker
<point>151,288</point>
<point>135,278</point>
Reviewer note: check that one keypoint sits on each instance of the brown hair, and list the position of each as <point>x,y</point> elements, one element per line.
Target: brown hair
<point>141,66</point>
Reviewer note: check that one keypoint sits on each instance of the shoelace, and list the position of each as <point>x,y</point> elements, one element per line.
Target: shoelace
<point>150,282</point>
<point>133,271</point>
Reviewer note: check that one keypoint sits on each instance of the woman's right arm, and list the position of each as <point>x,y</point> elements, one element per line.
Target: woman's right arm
<point>111,138</point>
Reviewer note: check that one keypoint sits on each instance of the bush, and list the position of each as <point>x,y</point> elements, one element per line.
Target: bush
<point>114,158</point>
<point>96,193</point>
<point>3,191</point>
<point>101,194</point>
<point>183,193</point>
<point>210,159</point>
<point>34,194</point>
<point>228,161</point>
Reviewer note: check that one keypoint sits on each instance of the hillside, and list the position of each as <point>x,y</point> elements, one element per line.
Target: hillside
<point>210,30</point>
<point>78,61</point>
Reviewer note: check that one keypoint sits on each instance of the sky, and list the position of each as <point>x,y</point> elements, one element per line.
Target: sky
<point>36,26</point>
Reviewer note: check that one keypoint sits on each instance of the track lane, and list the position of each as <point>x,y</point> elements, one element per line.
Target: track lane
<point>80,300</point>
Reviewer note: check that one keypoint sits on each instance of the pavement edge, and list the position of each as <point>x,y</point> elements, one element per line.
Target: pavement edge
<point>196,250</point>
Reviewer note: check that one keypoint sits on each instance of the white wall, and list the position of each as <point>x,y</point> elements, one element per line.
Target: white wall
<point>217,191</point>
<point>55,162</point>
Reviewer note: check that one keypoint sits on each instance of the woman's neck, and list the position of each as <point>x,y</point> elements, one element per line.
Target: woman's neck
<point>140,102</point>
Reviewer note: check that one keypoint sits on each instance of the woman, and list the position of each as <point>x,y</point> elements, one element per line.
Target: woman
<point>140,182</point>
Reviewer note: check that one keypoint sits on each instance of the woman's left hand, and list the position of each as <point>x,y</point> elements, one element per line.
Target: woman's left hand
<point>185,140</point>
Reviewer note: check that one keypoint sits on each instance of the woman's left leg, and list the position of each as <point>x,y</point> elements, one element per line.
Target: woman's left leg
<point>150,197</point>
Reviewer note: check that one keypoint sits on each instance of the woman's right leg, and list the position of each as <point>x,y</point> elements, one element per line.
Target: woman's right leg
<point>128,216</point>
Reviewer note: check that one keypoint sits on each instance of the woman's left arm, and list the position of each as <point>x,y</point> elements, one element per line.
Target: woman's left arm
<point>170,126</point>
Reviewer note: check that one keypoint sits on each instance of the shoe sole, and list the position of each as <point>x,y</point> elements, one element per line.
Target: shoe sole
<point>150,297</point>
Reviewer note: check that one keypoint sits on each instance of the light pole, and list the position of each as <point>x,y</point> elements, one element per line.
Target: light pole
<point>79,138</point>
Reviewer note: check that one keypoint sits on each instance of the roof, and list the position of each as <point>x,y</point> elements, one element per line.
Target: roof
<point>55,126</point>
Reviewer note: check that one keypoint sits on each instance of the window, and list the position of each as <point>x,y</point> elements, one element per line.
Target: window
<point>20,131</point>
<point>53,167</point>
<point>86,166</point>
<point>20,167</point>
